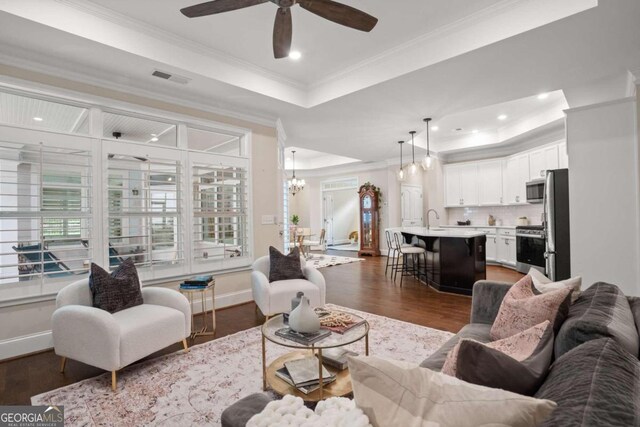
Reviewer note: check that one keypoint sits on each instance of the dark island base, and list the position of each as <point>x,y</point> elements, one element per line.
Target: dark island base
<point>453,264</point>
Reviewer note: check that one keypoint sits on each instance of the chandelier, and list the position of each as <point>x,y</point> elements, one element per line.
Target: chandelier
<point>295,185</point>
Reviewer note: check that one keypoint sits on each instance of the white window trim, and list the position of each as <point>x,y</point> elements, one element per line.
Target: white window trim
<point>97,105</point>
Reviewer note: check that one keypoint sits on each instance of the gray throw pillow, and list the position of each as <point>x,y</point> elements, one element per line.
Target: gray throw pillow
<point>492,367</point>
<point>284,267</point>
<point>116,291</point>
<point>602,311</point>
<point>595,384</point>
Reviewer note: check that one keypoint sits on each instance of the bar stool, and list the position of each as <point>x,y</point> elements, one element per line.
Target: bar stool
<point>392,252</point>
<point>404,251</point>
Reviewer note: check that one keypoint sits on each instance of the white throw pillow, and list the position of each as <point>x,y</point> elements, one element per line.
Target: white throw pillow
<point>392,395</point>
<point>543,284</point>
<point>290,411</point>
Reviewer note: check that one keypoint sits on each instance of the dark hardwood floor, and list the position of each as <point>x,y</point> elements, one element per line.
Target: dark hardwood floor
<point>362,286</point>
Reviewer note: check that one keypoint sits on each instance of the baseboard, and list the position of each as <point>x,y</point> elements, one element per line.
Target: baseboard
<point>338,242</point>
<point>20,346</point>
<point>26,344</point>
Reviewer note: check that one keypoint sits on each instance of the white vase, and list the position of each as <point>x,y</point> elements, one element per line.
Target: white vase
<point>303,319</point>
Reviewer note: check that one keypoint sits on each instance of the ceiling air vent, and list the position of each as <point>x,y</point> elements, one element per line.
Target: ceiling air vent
<point>171,77</point>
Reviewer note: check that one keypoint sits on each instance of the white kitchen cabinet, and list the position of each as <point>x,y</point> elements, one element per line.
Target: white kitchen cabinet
<point>506,250</point>
<point>517,176</point>
<point>563,157</point>
<point>542,160</point>
<point>492,248</point>
<point>469,184</point>
<point>490,187</point>
<point>461,185</point>
<point>452,195</point>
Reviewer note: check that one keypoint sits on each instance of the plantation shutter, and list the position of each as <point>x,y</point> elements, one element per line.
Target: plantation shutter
<point>144,211</point>
<point>45,213</point>
<point>220,212</point>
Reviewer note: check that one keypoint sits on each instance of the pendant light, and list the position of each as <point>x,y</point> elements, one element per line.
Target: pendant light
<point>295,185</point>
<point>401,175</point>
<point>413,169</point>
<point>427,162</point>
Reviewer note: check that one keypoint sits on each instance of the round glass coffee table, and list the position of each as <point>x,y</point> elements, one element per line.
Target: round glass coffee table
<point>338,388</point>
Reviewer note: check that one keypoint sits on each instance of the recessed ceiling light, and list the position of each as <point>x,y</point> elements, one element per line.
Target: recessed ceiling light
<point>38,119</point>
<point>295,55</point>
<point>543,96</point>
<point>475,131</point>
<point>435,128</point>
<point>154,139</point>
<point>502,117</point>
<point>458,129</point>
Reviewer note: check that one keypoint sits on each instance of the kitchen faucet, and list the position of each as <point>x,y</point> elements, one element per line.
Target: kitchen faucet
<point>428,212</point>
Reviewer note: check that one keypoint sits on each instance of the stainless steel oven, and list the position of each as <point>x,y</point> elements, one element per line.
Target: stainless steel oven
<point>530,248</point>
<point>535,191</point>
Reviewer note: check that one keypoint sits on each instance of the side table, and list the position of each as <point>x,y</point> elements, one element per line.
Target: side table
<point>190,294</point>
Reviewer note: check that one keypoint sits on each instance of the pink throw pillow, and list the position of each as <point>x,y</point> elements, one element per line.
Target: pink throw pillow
<point>521,309</point>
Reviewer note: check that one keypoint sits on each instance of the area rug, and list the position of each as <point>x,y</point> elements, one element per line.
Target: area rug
<point>194,388</point>
<point>321,261</point>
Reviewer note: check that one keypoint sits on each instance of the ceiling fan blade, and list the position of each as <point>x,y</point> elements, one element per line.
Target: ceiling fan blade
<point>282,33</point>
<point>340,14</point>
<point>218,6</point>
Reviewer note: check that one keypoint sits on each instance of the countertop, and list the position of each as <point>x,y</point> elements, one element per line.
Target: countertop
<point>438,232</point>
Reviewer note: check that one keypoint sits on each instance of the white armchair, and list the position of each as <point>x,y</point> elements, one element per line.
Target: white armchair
<point>112,341</point>
<point>275,297</point>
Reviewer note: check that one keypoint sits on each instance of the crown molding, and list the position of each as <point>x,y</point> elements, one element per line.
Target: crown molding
<point>342,169</point>
<point>491,25</point>
<point>114,17</point>
<point>92,77</point>
<point>553,132</point>
<point>444,30</point>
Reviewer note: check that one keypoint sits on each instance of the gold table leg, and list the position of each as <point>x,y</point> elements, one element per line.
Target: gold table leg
<point>320,373</point>
<point>366,344</point>
<point>264,365</point>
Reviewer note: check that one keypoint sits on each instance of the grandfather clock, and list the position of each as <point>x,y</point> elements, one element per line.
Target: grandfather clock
<point>369,220</point>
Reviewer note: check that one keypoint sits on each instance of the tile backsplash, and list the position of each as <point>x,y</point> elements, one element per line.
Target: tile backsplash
<point>508,214</point>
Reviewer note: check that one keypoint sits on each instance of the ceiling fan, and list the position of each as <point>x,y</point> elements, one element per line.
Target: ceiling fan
<point>283,29</point>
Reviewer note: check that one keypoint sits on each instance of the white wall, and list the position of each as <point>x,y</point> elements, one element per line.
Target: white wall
<point>602,141</point>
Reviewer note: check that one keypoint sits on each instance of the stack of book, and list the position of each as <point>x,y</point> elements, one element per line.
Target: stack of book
<point>302,338</point>
<point>197,282</point>
<point>303,374</point>
<point>337,357</point>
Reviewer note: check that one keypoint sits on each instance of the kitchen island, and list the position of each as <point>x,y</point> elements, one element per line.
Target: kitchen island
<point>456,259</point>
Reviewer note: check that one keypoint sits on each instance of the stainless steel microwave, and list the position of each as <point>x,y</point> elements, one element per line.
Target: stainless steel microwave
<point>535,191</point>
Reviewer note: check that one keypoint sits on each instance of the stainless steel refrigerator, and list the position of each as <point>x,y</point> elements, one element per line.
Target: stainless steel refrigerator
<point>556,224</point>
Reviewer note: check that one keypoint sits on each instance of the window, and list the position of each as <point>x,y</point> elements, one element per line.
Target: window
<point>128,128</point>
<point>176,203</point>
<point>214,142</point>
<point>220,211</point>
<point>45,212</point>
<point>36,113</point>
<point>144,208</point>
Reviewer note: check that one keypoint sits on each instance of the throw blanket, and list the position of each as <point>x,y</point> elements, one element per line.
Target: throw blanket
<point>290,411</point>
